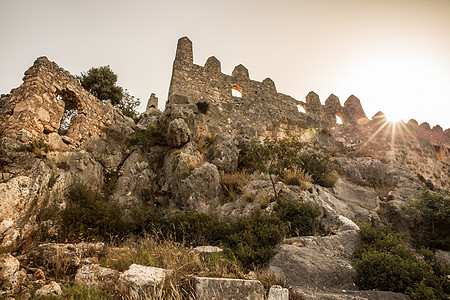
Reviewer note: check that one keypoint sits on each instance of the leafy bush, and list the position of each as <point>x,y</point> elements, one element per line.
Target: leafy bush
<point>276,156</point>
<point>89,216</point>
<point>301,217</point>
<point>431,215</point>
<point>384,262</point>
<point>250,239</point>
<point>154,135</point>
<point>317,167</point>
<point>203,107</point>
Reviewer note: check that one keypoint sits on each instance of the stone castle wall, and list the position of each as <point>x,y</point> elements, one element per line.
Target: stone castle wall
<point>192,83</point>
<point>34,110</point>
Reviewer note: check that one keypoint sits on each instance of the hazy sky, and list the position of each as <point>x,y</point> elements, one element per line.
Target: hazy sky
<point>394,55</point>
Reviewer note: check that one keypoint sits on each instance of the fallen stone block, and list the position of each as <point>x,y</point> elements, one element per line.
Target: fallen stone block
<point>227,289</point>
<point>277,292</point>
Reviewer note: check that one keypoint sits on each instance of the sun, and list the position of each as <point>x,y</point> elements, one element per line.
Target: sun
<point>393,117</point>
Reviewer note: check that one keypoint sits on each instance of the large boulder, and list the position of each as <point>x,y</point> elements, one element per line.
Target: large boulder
<point>317,263</point>
<point>178,133</point>
<point>224,153</point>
<point>200,190</point>
<point>94,275</point>
<point>49,290</point>
<point>141,279</point>
<point>227,289</point>
<point>11,277</point>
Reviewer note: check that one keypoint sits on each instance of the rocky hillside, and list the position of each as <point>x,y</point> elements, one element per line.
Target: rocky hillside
<point>282,202</point>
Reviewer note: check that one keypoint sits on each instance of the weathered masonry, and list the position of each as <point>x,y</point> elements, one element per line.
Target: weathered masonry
<point>192,83</point>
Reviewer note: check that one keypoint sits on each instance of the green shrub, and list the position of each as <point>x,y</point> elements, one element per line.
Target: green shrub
<point>384,262</point>
<point>250,240</point>
<point>203,107</point>
<point>317,166</point>
<point>154,135</point>
<point>89,216</point>
<point>301,217</point>
<point>431,215</point>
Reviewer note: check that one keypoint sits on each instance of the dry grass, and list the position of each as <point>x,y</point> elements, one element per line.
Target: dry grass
<point>233,183</point>
<point>186,263</point>
<point>297,177</point>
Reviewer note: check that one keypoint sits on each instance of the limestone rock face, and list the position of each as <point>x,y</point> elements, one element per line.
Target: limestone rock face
<point>324,263</point>
<point>178,164</point>
<point>227,289</point>
<point>200,190</point>
<point>10,276</point>
<point>224,153</point>
<point>51,289</point>
<point>178,133</point>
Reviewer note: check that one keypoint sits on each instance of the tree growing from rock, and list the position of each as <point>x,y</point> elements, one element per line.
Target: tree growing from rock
<point>101,82</point>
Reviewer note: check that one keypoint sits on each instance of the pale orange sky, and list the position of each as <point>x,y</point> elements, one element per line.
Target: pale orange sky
<point>394,55</point>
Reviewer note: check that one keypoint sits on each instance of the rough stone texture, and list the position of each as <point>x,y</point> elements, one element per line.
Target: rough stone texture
<point>443,256</point>
<point>365,197</point>
<point>277,292</point>
<point>49,255</point>
<point>224,153</point>
<point>37,107</point>
<point>178,133</point>
<point>227,289</point>
<point>353,111</point>
<point>348,295</point>
<point>332,207</point>
<point>94,275</point>
<point>152,104</point>
<point>200,190</point>
<point>139,279</point>
<point>11,277</point>
<point>51,289</point>
<point>323,263</point>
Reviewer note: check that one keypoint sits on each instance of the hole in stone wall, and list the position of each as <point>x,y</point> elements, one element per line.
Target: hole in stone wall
<point>339,119</point>
<point>236,91</point>
<point>439,152</point>
<point>301,108</point>
<point>70,111</point>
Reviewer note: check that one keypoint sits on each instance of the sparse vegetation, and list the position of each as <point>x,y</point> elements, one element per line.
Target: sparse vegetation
<point>278,157</point>
<point>152,136</point>
<point>384,262</point>
<point>37,147</point>
<point>301,217</point>
<point>297,177</point>
<point>88,215</point>
<point>431,215</point>
<point>233,183</point>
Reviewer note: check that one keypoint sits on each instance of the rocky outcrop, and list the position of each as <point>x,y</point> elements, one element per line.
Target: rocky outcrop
<point>317,263</point>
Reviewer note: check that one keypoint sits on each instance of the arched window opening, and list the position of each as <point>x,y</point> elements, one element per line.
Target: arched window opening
<point>339,119</point>
<point>236,91</point>
<point>70,111</point>
<point>301,108</point>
